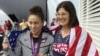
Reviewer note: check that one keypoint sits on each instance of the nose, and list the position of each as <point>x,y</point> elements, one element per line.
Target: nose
<point>32,25</point>
<point>59,16</point>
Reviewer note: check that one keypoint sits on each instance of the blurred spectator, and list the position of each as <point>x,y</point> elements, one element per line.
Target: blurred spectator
<point>1,37</point>
<point>53,22</point>
<point>45,27</point>
<point>16,26</point>
<point>54,25</point>
<point>9,25</point>
<point>23,24</point>
<point>6,26</point>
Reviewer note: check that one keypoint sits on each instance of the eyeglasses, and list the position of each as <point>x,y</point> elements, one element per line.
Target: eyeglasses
<point>63,14</point>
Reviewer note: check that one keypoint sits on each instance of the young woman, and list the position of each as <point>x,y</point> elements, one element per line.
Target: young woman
<point>34,42</point>
<point>70,38</point>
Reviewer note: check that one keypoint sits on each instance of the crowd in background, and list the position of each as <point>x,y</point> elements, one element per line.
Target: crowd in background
<point>8,27</point>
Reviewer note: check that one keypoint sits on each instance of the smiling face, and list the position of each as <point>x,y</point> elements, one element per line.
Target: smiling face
<point>63,17</point>
<point>35,24</point>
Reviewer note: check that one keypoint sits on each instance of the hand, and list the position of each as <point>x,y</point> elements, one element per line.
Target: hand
<point>40,54</point>
<point>5,45</point>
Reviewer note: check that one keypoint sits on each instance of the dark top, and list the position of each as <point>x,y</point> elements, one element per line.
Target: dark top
<point>60,46</point>
<point>35,39</point>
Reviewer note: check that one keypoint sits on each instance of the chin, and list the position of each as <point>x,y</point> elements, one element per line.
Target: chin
<point>62,24</point>
<point>33,31</point>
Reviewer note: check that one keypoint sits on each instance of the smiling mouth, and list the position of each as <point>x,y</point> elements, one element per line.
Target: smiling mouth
<point>61,20</point>
<point>34,29</point>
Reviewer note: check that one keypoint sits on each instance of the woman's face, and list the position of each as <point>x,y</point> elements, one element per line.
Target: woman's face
<point>63,17</point>
<point>35,24</point>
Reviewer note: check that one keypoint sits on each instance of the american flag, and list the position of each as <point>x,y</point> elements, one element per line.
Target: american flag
<point>81,43</point>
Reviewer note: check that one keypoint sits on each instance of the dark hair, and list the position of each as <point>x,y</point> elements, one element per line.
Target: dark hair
<point>37,10</point>
<point>68,6</point>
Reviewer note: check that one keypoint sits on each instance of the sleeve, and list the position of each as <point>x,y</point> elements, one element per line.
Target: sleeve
<point>50,47</point>
<point>16,52</point>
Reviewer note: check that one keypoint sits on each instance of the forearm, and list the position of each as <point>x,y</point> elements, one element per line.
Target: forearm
<point>6,53</point>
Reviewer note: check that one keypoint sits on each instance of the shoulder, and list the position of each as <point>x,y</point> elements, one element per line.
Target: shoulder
<point>48,36</point>
<point>80,31</point>
<point>80,28</point>
<point>24,34</point>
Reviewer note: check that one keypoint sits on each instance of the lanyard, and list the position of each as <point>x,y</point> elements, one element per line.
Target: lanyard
<point>35,50</point>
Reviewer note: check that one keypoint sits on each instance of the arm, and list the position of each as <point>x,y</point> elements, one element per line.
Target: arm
<point>9,52</point>
<point>50,47</point>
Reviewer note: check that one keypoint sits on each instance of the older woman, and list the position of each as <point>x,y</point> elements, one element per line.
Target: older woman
<point>70,38</point>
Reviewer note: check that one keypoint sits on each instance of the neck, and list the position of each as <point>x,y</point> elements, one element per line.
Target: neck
<point>65,28</point>
<point>36,35</point>
<point>65,31</point>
